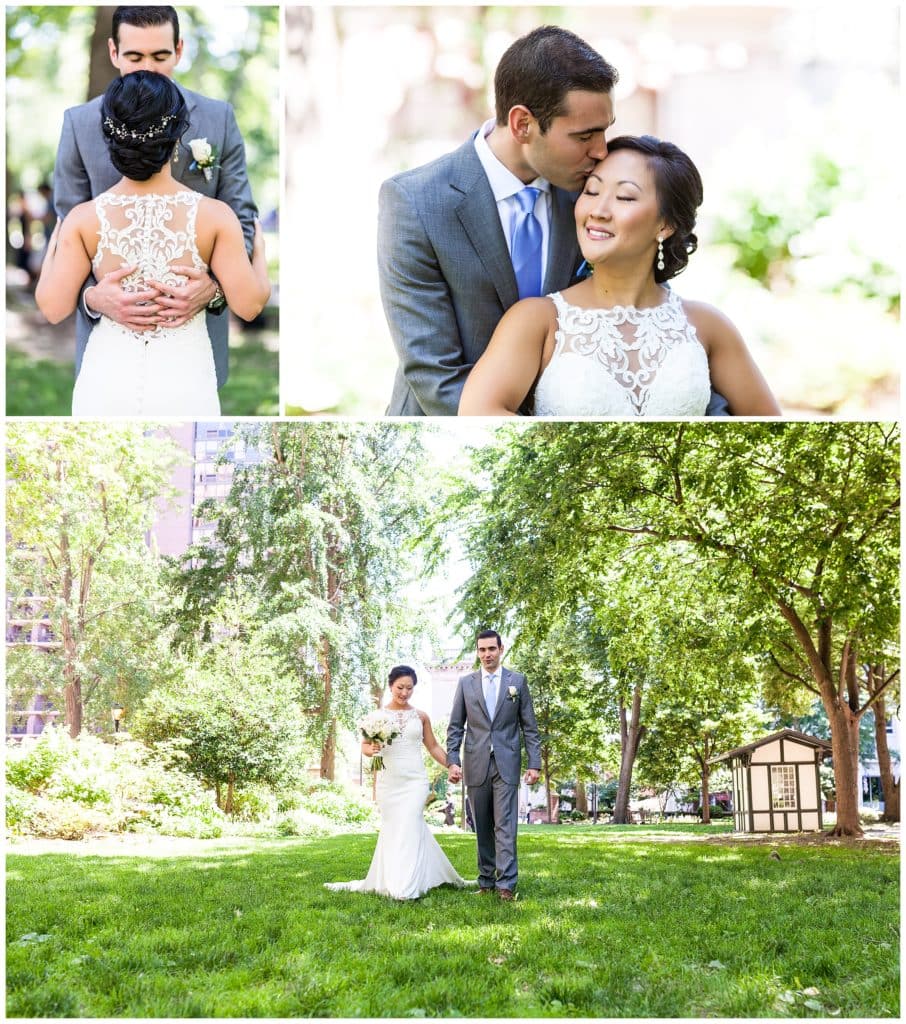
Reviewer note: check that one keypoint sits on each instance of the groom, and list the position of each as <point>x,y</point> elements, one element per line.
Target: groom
<point>491,708</point>
<point>147,39</point>
<point>446,247</point>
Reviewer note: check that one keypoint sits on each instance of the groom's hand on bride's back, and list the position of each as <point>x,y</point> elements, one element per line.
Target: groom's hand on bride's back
<point>136,310</point>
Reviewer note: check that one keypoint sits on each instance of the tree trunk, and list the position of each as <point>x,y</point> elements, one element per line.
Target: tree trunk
<point>231,780</point>
<point>100,72</point>
<point>889,786</point>
<point>329,751</point>
<point>844,726</point>
<point>545,761</point>
<point>706,796</point>
<point>630,736</point>
<point>581,799</point>
<point>841,715</point>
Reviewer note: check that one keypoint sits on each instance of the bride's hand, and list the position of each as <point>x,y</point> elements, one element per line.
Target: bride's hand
<point>135,310</point>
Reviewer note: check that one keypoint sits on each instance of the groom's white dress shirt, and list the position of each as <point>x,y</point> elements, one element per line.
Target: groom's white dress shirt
<point>505,186</point>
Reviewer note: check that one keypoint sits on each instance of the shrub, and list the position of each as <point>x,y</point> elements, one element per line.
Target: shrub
<point>62,819</point>
<point>304,823</point>
<point>336,803</point>
<point>20,807</point>
<point>254,805</point>
<point>30,764</point>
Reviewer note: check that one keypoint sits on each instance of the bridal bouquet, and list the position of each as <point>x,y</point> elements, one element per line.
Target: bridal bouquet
<point>378,726</point>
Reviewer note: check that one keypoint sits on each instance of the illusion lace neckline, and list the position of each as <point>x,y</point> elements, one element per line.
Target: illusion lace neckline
<point>624,360</point>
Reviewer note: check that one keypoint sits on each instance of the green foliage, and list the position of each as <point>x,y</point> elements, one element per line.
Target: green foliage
<point>683,556</point>
<point>64,788</point>
<point>336,803</point>
<point>80,499</point>
<point>232,718</point>
<point>776,233</point>
<point>312,551</point>
<point>30,765</point>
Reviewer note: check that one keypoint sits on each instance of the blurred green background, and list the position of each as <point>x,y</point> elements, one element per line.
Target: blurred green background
<point>56,57</point>
<point>789,112</point>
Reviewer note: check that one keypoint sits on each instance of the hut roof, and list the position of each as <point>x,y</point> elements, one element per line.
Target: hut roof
<point>790,734</point>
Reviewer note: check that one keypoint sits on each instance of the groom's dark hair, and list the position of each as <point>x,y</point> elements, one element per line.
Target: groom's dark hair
<point>538,70</point>
<point>486,634</point>
<point>144,17</point>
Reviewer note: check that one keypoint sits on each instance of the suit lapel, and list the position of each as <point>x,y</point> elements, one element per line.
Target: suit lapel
<point>181,167</point>
<point>563,249</point>
<point>478,695</point>
<point>477,212</point>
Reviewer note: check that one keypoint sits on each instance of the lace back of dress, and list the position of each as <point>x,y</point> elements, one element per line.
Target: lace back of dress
<point>631,344</point>
<point>155,232</point>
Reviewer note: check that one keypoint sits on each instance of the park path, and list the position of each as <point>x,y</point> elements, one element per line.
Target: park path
<point>879,835</point>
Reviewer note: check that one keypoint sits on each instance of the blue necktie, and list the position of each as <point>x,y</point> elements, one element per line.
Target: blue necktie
<point>527,245</point>
<point>490,694</point>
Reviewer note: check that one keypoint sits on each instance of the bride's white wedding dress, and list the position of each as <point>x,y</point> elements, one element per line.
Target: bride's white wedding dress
<point>624,362</point>
<point>407,860</point>
<point>165,371</point>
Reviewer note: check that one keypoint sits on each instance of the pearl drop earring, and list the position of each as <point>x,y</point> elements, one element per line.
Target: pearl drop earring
<point>660,254</point>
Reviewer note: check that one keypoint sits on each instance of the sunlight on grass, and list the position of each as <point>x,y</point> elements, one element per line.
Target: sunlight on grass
<point>597,931</point>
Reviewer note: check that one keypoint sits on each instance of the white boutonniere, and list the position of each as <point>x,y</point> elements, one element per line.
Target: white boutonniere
<point>512,694</point>
<point>204,157</point>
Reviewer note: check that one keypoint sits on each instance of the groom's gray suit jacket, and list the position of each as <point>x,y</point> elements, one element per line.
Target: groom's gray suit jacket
<point>512,717</point>
<point>447,277</point>
<point>83,170</point>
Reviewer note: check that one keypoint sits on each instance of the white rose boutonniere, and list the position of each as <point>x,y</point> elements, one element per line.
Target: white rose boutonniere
<point>204,157</point>
<point>512,694</point>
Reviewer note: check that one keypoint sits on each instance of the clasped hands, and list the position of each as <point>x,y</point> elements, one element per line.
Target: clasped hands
<point>454,774</point>
<point>159,304</point>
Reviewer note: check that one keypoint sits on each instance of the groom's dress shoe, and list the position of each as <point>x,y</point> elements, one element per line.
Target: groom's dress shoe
<point>506,895</point>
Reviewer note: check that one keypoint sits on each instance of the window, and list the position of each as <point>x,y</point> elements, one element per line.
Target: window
<point>783,786</point>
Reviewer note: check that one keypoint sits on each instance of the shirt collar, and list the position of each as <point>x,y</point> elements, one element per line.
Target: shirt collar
<point>502,180</point>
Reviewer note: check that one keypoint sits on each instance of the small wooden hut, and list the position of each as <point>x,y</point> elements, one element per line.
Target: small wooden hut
<point>776,787</point>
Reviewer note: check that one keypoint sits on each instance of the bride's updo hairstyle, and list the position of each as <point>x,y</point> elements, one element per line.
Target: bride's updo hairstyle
<point>399,671</point>
<point>679,193</point>
<point>143,116</point>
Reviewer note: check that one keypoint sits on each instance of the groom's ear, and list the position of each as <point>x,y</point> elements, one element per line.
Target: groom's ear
<point>520,122</point>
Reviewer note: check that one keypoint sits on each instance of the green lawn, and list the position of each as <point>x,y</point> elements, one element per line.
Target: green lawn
<point>605,926</point>
<point>41,387</point>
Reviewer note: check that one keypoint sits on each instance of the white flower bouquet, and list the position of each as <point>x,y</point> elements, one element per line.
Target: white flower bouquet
<point>379,727</point>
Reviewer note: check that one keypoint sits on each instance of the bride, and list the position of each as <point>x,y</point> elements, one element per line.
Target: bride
<point>407,860</point>
<point>621,343</point>
<point>152,227</point>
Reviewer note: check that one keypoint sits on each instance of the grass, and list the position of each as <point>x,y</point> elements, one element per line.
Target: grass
<point>603,927</point>
<point>43,387</point>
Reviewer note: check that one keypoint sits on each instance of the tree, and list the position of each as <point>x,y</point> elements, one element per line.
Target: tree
<point>80,497</point>
<point>315,536</point>
<point>800,519</point>
<point>232,718</point>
